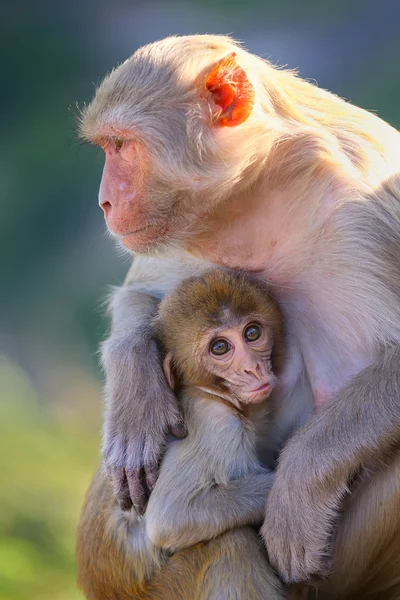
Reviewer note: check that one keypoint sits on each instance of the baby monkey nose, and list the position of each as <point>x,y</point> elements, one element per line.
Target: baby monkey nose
<point>253,369</point>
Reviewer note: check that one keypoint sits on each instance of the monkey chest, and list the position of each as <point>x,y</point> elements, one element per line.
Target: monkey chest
<point>329,355</point>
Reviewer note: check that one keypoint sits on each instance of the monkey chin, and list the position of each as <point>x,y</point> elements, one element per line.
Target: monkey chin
<point>147,240</point>
<point>153,239</point>
<point>257,396</point>
<point>139,241</point>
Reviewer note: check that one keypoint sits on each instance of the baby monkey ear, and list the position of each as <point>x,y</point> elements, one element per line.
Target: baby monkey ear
<point>168,371</point>
<point>231,91</point>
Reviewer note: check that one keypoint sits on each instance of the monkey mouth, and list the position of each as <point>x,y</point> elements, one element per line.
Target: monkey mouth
<point>134,231</point>
<point>263,388</point>
<point>139,239</point>
<point>121,234</point>
<point>259,394</point>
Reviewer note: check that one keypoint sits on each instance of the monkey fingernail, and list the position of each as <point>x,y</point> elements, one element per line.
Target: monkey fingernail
<point>151,482</point>
<point>136,490</point>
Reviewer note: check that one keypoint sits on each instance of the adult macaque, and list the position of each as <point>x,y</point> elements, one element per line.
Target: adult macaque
<point>224,345</point>
<point>214,155</point>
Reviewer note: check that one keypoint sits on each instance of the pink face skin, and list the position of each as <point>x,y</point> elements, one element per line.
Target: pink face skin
<point>241,356</point>
<point>142,211</point>
<point>122,194</point>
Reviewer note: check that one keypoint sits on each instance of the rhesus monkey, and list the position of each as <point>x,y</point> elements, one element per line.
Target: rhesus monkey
<point>224,346</point>
<point>215,156</point>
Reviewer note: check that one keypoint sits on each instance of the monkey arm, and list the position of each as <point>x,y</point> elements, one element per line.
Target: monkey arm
<point>179,519</point>
<point>140,408</point>
<point>353,431</point>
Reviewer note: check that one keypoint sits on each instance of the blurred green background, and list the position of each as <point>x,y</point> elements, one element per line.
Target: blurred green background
<point>57,262</point>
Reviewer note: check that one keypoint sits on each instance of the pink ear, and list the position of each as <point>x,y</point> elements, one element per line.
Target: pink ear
<point>231,90</point>
<point>168,372</point>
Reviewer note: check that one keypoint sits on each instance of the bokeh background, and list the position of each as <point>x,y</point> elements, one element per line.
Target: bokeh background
<point>57,263</point>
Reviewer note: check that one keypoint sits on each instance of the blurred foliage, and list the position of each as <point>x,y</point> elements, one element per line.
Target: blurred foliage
<point>47,455</point>
<point>56,261</point>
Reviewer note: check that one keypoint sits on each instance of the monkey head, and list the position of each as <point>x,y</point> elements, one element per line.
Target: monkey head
<point>222,333</point>
<point>180,125</point>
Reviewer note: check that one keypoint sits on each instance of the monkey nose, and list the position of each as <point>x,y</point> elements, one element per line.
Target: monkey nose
<point>106,207</point>
<point>252,370</point>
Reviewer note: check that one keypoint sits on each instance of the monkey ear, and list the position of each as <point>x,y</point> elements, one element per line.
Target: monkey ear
<point>168,372</point>
<point>231,91</point>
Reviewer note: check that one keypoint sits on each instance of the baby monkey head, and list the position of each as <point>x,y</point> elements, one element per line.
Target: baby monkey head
<point>222,333</point>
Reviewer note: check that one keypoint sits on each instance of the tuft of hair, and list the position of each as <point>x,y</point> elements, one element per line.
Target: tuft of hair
<point>200,305</point>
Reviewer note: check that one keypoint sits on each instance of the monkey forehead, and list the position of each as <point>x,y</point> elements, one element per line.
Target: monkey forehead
<point>155,76</point>
<point>216,300</point>
<point>219,322</point>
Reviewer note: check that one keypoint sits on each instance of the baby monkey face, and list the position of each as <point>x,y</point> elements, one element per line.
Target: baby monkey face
<point>223,334</point>
<point>241,356</point>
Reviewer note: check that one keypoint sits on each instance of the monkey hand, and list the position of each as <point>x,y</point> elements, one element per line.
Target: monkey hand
<point>141,409</point>
<point>300,511</point>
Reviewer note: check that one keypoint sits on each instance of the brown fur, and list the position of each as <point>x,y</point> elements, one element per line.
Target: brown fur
<point>100,552</point>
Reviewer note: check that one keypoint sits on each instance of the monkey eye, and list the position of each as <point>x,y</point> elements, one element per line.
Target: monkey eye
<point>219,347</point>
<point>252,332</point>
<point>118,144</point>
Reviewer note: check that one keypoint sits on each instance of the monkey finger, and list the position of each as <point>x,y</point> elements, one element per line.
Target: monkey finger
<point>177,425</point>
<point>151,475</point>
<point>120,487</point>
<point>136,490</point>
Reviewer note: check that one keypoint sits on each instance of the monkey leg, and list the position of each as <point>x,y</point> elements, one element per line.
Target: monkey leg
<point>241,571</point>
<point>232,566</point>
<point>105,567</point>
<point>110,565</point>
<point>366,547</point>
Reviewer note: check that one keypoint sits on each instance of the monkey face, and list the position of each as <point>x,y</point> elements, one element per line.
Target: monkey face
<point>172,121</point>
<point>142,211</point>
<point>223,334</point>
<point>240,358</point>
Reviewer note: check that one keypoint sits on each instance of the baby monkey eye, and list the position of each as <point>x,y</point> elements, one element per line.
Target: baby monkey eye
<point>219,347</point>
<point>252,333</point>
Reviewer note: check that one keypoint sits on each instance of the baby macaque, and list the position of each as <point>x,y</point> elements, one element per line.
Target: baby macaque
<point>222,340</point>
